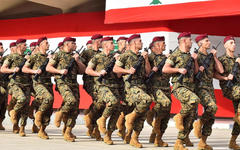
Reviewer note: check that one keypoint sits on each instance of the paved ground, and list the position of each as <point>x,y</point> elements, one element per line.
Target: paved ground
<point>9,141</point>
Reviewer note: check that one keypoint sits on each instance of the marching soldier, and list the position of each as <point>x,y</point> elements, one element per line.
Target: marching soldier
<point>231,91</point>
<point>183,88</point>
<point>19,86</point>
<point>66,81</point>
<point>42,87</point>
<point>205,91</point>
<point>137,95</point>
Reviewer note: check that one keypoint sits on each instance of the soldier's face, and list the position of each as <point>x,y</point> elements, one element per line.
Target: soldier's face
<point>75,46</point>
<point>1,48</point>
<point>205,43</point>
<point>13,49</point>
<point>122,43</point>
<point>98,41</point>
<point>45,45</point>
<point>72,45</point>
<point>23,47</point>
<point>32,48</point>
<point>138,43</point>
<point>188,42</point>
<point>230,45</point>
<point>89,46</point>
<point>109,45</point>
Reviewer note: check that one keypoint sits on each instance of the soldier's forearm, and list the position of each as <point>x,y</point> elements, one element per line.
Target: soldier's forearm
<point>91,72</point>
<point>218,65</point>
<point>53,70</point>
<point>168,69</point>
<point>6,70</point>
<point>147,67</point>
<point>28,70</point>
<point>119,70</point>
<point>196,67</point>
<point>81,67</point>
<point>219,77</point>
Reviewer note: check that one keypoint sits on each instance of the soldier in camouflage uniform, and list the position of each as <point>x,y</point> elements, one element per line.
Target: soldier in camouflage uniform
<point>3,90</point>
<point>232,93</point>
<point>205,91</point>
<point>137,95</point>
<point>42,86</point>
<point>108,94</point>
<point>90,87</point>
<point>19,86</point>
<point>160,89</point>
<point>183,90</point>
<point>66,81</point>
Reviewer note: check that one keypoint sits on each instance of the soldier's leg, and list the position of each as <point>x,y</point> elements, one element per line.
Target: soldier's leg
<point>3,107</point>
<point>137,128</point>
<point>35,105</point>
<point>236,96</point>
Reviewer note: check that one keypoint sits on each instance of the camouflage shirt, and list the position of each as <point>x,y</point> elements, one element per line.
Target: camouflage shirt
<point>35,62</point>
<point>2,75</point>
<point>13,61</point>
<point>179,59</point>
<point>157,79</point>
<point>207,79</point>
<point>99,62</point>
<point>60,61</point>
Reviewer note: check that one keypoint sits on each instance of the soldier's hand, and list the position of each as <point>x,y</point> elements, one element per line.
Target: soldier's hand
<point>230,77</point>
<point>166,102</point>
<point>76,56</point>
<point>194,56</point>
<point>132,70</point>
<point>182,70</point>
<point>16,69</point>
<point>201,68</point>
<point>50,56</point>
<point>214,52</point>
<point>102,72</point>
<point>39,71</point>
<point>116,56</point>
<point>64,71</point>
<point>144,54</point>
<point>167,55</point>
<point>27,56</point>
<point>238,60</point>
<point>155,69</point>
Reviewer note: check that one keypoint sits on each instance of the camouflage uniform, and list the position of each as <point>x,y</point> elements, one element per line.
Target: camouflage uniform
<point>160,88</point>
<point>108,95</point>
<point>68,87</point>
<point>184,91</point>
<point>19,87</point>
<point>43,88</point>
<point>232,94</point>
<point>205,92</point>
<point>136,91</point>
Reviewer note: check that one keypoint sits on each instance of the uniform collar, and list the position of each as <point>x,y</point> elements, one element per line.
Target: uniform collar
<point>230,56</point>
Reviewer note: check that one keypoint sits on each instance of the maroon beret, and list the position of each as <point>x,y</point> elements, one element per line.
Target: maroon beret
<point>134,36</point>
<point>158,38</point>
<point>12,44</point>
<point>107,39</point>
<point>89,42</point>
<point>21,41</point>
<point>33,44</point>
<point>60,44</point>
<point>69,39</point>
<point>41,39</point>
<point>201,37</point>
<point>151,45</point>
<point>1,43</point>
<point>122,38</point>
<point>227,38</point>
<point>97,36</point>
<point>184,34</point>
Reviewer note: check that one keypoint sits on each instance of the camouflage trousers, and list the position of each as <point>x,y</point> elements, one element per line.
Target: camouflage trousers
<point>189,102</point>
<point>3,101</point>
<point>208,101</point>
<point>70,104</point>
<point>162,107</point>
<point>43,101</point>
<point>109,102</point>
<point>139,101</point>
<point>21,99</point>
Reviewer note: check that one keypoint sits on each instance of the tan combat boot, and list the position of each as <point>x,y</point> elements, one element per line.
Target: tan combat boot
<point>101,122</point>
<point>159,142</point>
<point>64,119</point>
<point>128,136</point>
<point>38,118</point>
<point>13,115</point>
<point>134,140</point>
<point>178,118</point>
<point>30,112</point>
<point>97,134</point>
<point>120,125</point>
<point>88,119</point>
<point>236,118</point>
<point>233,144</point>
<point>179,145</point>
<point>108,138</point>
<point>16,128</point>
<point>34,128</point>
<point>198,128</point>
<point>152,137</point>
<point>150,115</point>
<point>187,141</point>
<point>202,145</point>
<point>1,126</point>
<point>67,135</point>
<point>130,118</point>
<point>58,118</point>
<point>42,134</point>
<point>72,135</point>
<point>22,131</point>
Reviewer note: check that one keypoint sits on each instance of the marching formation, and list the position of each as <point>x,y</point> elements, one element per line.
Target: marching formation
<point>123,84</point>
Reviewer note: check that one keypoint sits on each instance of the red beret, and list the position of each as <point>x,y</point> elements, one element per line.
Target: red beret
<point>134,36</point>
<point>201,37</point>
<point>184,34</point>
<point>122,38</point>
<point>150,45</point>
<point>21,41</point>
<point>69,39</point>
<point>33,44</point>
<point>41,39</point>
<point>227,38</point>
<point>107,39</point>
<point>89,42</point>
<point>97,36</point>
<point>158,38</point>
<point>12,44</point>
<point>1,43</point>
<point>60,44</point>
